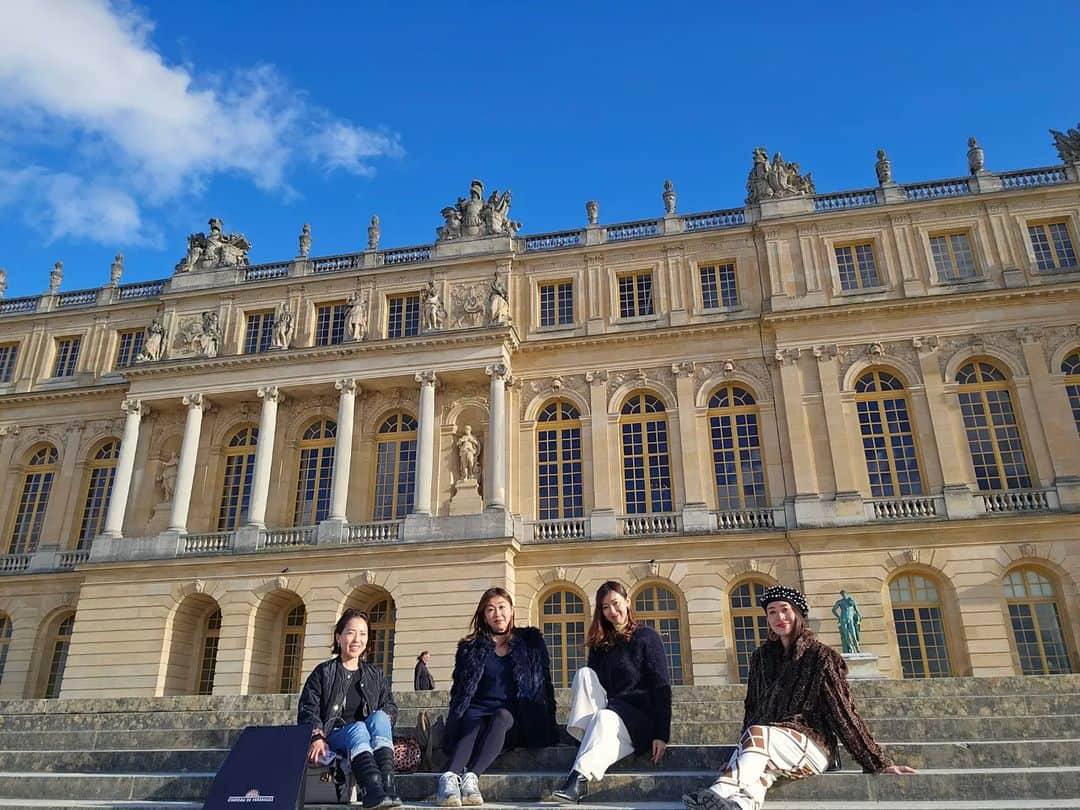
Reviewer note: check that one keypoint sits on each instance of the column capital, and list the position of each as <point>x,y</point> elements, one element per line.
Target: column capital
<point>270,393</point>
<point>426,377</point>
<point>684,368</point>
<point>347,385</point>
<point>195,400</point>
<point>787,357</point>
<point>924,344</point>
<point>825,352</point>
<point>134,406</point>
<point>598,377</point>
<point>498,370</point>
<point>9,430</point>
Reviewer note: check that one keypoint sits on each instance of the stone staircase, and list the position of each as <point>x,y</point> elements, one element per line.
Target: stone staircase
<point>979,743</point>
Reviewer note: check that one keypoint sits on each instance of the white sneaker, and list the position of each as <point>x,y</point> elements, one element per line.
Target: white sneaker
<point>470,790</point>
<point>449,794</point>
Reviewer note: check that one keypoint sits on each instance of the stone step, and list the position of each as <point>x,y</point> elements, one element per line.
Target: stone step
<point>997,804</point>
<point>666,786</point>
<point>558,759</point>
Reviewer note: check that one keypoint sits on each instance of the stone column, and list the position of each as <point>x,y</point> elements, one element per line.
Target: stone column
<point>185,471</point>
<point>339,491</point>
<point>264,455</point>
<point>425,440</point>
<point>495,479</point>
<point>134,410</point>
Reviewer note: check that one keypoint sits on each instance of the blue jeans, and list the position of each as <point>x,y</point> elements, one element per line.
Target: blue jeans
<point>356,738</point>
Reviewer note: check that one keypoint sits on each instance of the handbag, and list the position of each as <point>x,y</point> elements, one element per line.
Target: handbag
<point>407,755</point>
<point>329,784</point>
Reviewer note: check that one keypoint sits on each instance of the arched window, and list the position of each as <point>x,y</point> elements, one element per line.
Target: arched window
<point>380,647</point>
<point>920,627</point>
<point>1036,622</point>
<point>395,469</point>
<point>558,459</point>
<point>99,482</point>
<point>736,449</point>
<point>239,473</point>
<point>749,628</point>
<point>658,607</point>
<point>887,436</point>
<point>30,511</point>
<point>997,451</point>
<point>208,658</point>
<point>292,649</point>
<point>315,474</point>
<point>1070,367</point>
<point>5,642</point>
<point>564,623</point>
<point>646,463</point>
<point>61,642</point>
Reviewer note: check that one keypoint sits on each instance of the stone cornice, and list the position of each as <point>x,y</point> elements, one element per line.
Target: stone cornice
<point>636,336</point>
<point>54,394</point>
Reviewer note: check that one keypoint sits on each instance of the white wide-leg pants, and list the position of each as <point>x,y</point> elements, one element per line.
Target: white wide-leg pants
<point>766,753</point>
<point>603,735</point>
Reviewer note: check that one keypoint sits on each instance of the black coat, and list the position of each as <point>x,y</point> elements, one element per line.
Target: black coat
<point>635,676</point>
<point>534,705</point>
<point>323,695</point>
<point>422,679</point>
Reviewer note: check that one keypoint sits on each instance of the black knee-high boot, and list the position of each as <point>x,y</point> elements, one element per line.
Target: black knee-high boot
<point>368,779</point>
<point>384,758</point>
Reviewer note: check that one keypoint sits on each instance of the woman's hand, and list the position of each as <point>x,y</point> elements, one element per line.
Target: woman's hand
<point>899,769</point>
<point>658,749</point>
<point>318,751</point>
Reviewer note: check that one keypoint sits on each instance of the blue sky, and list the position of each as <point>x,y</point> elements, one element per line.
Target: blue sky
<point>127,125</point>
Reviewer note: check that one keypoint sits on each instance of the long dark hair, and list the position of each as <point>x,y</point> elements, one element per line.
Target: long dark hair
<point>339,628</point>
<point>479,627</point>
<point>602,633</point>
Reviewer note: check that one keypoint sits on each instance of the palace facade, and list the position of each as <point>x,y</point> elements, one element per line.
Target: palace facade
<point>875,390</point>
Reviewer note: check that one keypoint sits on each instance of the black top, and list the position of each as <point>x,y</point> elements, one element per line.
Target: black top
<point>422,679</point>
<point>635,676</point>
<point>496,688</point>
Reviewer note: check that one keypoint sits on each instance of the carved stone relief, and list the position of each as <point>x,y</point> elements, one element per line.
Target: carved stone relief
<point>468,304</point>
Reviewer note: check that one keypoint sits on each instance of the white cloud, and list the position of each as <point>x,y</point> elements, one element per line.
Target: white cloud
<point>87,68</point>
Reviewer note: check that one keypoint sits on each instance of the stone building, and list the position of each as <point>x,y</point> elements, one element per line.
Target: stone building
<point>873,390</point>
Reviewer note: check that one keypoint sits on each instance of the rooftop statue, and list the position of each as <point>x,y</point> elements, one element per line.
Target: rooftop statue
<point>214,250</point>
<point>776,180</point>
<point>473,217</point>
<point>1068,144</point>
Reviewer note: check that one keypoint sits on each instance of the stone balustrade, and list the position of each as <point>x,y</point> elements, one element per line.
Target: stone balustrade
<point>737,519</point>
<point>1032,178</point>
<point>903,508</point>
<point>263,272</point>
<point>287,538</point>
<point>646,229</point>
<point>1008,501</point>
<point>67,560</point>
<point>937,189</point>
<point>337,264</point>
<point>844,200</point>
<point>76,298</point>
<point>648,525</point>
<point>374,533</point>
<point>553,241</point>
<point>408,255</point>
<point>14,563</point>
<point>142,289</point>
<point>208,543</point>
<point>560,530</point>
<point>710,220</point>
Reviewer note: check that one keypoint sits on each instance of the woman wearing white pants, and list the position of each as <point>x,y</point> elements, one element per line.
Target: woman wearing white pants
<point>622,700</point>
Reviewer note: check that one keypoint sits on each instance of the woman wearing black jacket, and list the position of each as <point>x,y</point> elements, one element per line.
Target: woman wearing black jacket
<point>351,710</point>
<point>621,702</point>
<point>501,697</point>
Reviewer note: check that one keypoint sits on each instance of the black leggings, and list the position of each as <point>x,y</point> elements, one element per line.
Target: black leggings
<point>481,740</point>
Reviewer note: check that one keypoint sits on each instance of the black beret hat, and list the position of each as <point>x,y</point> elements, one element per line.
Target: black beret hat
<point>782,593</point>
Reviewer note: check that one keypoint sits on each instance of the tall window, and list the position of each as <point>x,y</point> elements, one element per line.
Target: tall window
<point>315,474</point>
<point>330,323</point>
<point>239,473</point>
<point>67,356</point>
<point>718,287</point>
<point>646,464</point>
<point>750,629</point>
<point>99,482</point>
<point>635,294</point>
<point>130,347</point>
<point>557,303</point>
<point>920,628</point>
<point>395,467</point>
<point>208,657</point>
<point>564,631</point>
<point>658,607</point>
<point>380,648</point>
<point>8,354</point>
<point>403,316</point>
<point>58,660</point>
<point>30,512</point>
<point>292,650</point>
<point>1036,622</point>
<point>857,266</point>
<point>5,642</point>
<point>1070,367</point>
<point>887,437</point>
<point>558,458</point>
<point>1053,245</point>
<point>736,448</point>
<point>952,254</point>
<point>993,435</point>
<point>259,335</point>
